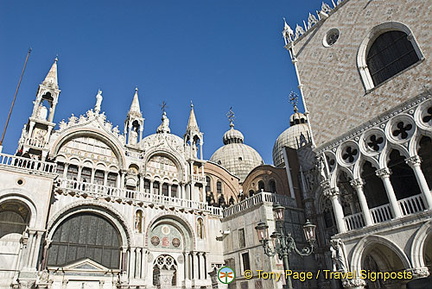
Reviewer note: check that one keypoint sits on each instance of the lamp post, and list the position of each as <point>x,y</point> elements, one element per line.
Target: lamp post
<point>284,244</point>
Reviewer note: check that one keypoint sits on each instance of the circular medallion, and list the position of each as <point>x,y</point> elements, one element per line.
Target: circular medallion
<point>165,242</point>
<point>155,240</point>
<point>176,242</point>
<point>165,230</point>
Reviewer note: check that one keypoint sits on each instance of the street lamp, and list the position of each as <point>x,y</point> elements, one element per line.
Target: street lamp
<point>284,244</point>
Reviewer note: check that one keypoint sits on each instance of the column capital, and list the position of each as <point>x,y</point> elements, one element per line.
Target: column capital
<point>353,283</point>
<point>383,173</point>
<point>331,192</point>
<point>357,183</point>
<point>421,272</point>
<point>413,161</point>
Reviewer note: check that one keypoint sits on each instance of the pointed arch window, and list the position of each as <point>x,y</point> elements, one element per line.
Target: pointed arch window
<point>390,53</point>
<point>389,49</point>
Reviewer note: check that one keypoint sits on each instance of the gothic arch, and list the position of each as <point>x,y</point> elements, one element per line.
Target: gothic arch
<point>384,157</point>
<point>178,222</point>
<point>419,240</point>
<point>337,172</point>
<point>102,209</point>
<point>358,253</point>
<point>17,195</point>
<point>358,167</point>
<point>109,140</point>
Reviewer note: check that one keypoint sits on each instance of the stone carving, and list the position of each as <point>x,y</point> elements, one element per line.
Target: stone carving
<point>42,112</point>
<point>338,255</point>
<point>164,126</point>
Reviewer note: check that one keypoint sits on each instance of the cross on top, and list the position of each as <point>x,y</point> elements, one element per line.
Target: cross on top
<point>230,115</point>
<point>163,106</point>
<point>293,99</point>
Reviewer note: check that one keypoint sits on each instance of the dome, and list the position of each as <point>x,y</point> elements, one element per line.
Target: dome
<point>233,136</point>
<point>296,136</point>
<point>237,157</point>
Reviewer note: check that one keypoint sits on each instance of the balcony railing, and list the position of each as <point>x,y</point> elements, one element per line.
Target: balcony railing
<point>412,205</point>
<point>257,199</point>
<point>354,221</point>
<point>381,213</point>
<point>27,163</point>
<point>107,192</point>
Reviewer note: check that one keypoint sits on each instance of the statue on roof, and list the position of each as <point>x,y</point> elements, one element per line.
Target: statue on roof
<point>98,101</point>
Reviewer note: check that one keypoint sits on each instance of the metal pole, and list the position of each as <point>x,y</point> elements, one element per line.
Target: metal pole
<point>285,256</point>
<point>15,96</point>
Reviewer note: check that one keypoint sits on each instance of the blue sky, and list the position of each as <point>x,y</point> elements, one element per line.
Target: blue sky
<point>218,54</point>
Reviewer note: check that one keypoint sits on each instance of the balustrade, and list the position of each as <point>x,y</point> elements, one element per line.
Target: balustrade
<point>27,163</point>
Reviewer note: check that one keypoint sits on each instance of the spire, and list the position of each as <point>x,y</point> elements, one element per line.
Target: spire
<point>192,125</point>
<point>51,78</point>
<point>134,123</point>
<point>135,106</point>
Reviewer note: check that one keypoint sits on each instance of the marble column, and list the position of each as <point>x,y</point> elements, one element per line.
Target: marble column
<point>414,162</point>
<point>333,195</point>
<point>358,185</point>
<point>384,174</point>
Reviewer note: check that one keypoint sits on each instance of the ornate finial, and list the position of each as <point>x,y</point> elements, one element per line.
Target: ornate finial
<point>293,99</point>
<point>191,105</point>
<point>163,106</point>
<point>230,115</point>
<point>287,32</point>
<point>56,58</point>
<point>136,88</point>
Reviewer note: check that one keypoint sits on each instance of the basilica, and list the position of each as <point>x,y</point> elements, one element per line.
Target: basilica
<point>84,204</point>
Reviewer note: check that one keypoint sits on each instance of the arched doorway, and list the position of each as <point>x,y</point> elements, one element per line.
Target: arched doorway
<point>379,258</point>
<point>14,219</point>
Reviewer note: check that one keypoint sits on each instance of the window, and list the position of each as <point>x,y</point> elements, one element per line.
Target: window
<point>261,187</point>
<point>245,261</point>
<point>219,187</point>
<point>389,49</point>
<point>85,236</point>
<point>242,240</point>
<point>208,185</point>
<point>391,53</point>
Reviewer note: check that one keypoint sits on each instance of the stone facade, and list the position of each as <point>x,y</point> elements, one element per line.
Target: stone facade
<point>369,190</point>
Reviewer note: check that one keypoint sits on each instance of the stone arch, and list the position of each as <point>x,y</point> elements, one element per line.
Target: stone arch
<point>370,39</point>
<point>418,246</point>
<point>18,195</point>
<point>168,154</point>
<point>358,167</point>
<point>178,222</point>
<point>337,172</point>
<point>102,209</point>
<point>112,142</point>
<point>366,245</point>
<point>385,154</point>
